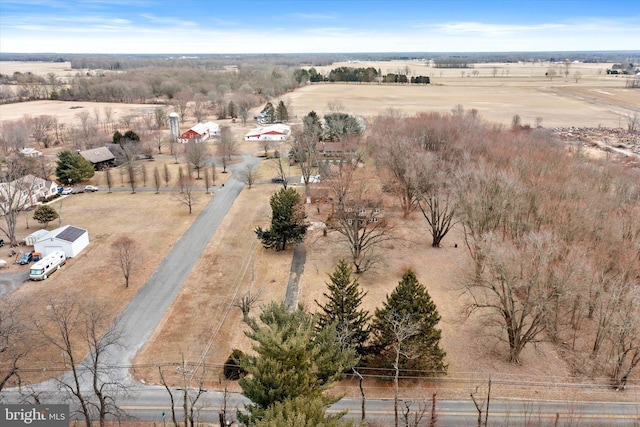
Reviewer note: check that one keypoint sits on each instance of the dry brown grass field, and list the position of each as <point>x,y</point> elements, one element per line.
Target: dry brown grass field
<point>37,68</point>
<point>203,325</point>
<point>597,99</point>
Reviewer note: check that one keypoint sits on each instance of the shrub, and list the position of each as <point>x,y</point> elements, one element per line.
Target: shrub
<point>232,369</point>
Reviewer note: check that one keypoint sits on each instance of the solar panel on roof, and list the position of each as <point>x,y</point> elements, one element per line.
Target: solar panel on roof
<point>70,234</point>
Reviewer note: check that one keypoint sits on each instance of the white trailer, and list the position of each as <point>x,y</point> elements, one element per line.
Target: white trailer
<point>47,265</point>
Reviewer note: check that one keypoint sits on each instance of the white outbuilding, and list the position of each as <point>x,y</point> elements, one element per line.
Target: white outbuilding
<point>69,239</point>
<point>32,238</point>
<point>277,132</point>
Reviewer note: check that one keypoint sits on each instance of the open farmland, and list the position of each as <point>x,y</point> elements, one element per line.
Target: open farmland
<point>67,111</point>
<point>597,99</point>
<point>37,68</point>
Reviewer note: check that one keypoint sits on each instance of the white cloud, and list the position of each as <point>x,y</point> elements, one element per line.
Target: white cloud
<point>154,34</point>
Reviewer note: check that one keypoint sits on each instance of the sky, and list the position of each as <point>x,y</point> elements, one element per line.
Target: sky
<point>192,27</point>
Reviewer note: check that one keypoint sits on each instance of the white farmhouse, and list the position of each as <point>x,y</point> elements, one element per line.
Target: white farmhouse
<point>69,239</point>
<point>24,192</point>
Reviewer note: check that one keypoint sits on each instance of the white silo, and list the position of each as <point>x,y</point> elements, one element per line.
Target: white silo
<point>174,125</point>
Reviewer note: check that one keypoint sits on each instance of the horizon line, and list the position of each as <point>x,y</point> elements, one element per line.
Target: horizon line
<point>334,53</point>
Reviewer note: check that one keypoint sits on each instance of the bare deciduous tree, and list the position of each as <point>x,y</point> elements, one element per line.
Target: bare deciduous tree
<point>157,180</point>
<point>125,254</point>
<point>357,219</point>
<point>15,195</point>
<point>246,302</point>
<point>226,147</point>
<point>108,179</point>
<point>305,153</point>
<point>174,147</point>
<point>249,175</point>
<point>403,161</point>
<point>74,326</point>
<point>214,173</point>
<point>15,341</point>
<point>633,122</point>
<point>439,211</point>
<point>278,166</point>
<point>190,395</point>
<point>41,127</point>
<point>166,175</point>
<point>14,135</point>
<point>132,176</point>
<point>181,100</point>
<point>160,116</point>
<point>201,106</point>
<point>517,288</point>
<point>197,156</point>
<point>159,139</point>
<point>187,196</point>
<point>207,180</point>
<point>266,144</point>
<point>403,329</point>
<point>143,173</point>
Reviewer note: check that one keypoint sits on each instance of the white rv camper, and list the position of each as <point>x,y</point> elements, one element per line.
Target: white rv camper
<point>47,265</point>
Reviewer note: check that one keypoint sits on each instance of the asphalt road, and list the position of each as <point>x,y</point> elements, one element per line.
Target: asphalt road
<point>150,304</point>
<point>11,281</point>
<point>150,403</point>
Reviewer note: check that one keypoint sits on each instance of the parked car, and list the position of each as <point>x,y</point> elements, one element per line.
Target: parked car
<point>67,190</point>
<point>90,188</point>
<point>277,180</point>
<point>78,190</point>
<point>27,257</point>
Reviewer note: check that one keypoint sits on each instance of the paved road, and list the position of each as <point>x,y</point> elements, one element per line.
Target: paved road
<point>11,281</point>
<point>150,304</point>
<point>150,403</point>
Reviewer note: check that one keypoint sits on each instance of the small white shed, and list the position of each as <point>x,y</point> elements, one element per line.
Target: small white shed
<point>69,239</point>
<point>32,238</point>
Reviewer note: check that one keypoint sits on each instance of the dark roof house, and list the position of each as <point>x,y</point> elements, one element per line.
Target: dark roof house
<point>101,157</point>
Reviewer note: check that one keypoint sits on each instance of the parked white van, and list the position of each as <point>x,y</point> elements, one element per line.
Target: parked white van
<point>47,265</point>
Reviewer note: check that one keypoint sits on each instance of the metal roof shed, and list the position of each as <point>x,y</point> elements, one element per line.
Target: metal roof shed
<point>69,239</point>
<point>32,238</point>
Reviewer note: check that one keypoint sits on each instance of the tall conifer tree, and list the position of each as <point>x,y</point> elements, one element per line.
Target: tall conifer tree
<point>343,308</point>
<point>411,301</point>
<point>293,359</point>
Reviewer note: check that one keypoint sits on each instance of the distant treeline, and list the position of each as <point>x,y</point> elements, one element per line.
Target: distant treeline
<point>358,75</point>
<point>218,61</point>
<point>451,62</point>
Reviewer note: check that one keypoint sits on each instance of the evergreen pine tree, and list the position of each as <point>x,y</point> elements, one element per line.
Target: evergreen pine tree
<point>411,300</point>
<point>282,113</point>
<point>269,113</point>
<point>74,167</point>
<point>292,359</point>
<point>312,125</point>
<point>44,214</point>
<point>343,308</point>
<point>287,221</point>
